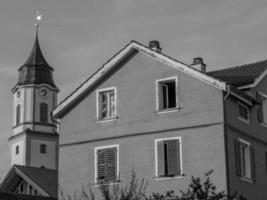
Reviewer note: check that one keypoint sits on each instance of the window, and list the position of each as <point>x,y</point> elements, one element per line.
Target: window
<point>167,93</point>
<point>106,103</point>
<point>43,112</point>
<point>262,107</point>
<point>245,159</point>
<point>43,148</point>
<point>17,150</point>
<point>168,157</point>
<point>243,112</point>
<point>18,111</point>
<point>106,163</point>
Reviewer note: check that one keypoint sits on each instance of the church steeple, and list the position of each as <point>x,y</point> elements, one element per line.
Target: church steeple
<point>36,69</point>
<point>35,140</point>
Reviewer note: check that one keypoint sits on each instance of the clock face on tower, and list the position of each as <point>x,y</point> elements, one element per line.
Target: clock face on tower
<point>43,93</point>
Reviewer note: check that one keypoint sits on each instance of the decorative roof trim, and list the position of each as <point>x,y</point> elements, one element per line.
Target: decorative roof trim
<point>31,182</point>
<point>256,82</point>
<point>133,45</point>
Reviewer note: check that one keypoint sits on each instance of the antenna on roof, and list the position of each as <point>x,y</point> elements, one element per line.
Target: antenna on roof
<point>38,19</point>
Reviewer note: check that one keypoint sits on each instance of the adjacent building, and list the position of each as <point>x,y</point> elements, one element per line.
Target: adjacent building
<point>168,121</point>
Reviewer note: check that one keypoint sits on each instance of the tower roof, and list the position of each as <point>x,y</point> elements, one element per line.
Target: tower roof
<point>36,70</point>
<point>36,56</point>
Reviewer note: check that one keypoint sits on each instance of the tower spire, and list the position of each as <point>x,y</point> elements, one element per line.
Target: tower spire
<point>38,19</point>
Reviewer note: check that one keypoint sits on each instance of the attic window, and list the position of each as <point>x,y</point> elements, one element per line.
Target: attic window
<point>106,104</point>
<point>167,94</point>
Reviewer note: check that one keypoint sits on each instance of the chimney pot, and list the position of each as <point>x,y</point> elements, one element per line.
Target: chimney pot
<point>154,44</point>
<point>199,64</point>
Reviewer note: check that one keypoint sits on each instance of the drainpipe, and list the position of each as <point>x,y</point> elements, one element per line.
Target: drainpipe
<point>228,88</point>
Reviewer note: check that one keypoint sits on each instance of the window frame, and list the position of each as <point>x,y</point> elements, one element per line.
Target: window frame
<point>264,118</point>
<point>248,111</point>
<point>96,159</point>
<point>159,96</point>
<point>43,109</point>
<point>18,114</point>
<point>43,148</point>
<point>157,177</point>
<point>98,105</point>
<point>241,141</point>
<point>17,150</point>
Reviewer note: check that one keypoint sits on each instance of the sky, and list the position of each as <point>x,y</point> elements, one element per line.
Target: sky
<point>78,36</point>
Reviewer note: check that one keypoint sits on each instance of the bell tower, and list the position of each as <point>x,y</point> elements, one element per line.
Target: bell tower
<point>34,141</point>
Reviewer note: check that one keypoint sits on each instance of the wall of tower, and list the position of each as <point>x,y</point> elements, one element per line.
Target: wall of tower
<point>18,156</point>
<point>48,159</point>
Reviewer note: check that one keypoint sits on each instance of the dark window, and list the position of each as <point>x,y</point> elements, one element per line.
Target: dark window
<point>43,112</point>
<point>243,112</point>
<point>18,111</point>
<point>167,94</point>
<point>245,160</point>
<point>43,148</point>
<point>17,150</point>
<point>107,164</point>
<point>168,152</point>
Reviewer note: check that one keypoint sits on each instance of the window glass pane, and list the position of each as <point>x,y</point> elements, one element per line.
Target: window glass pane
<point>243,111</point>
<point>167,94</point>
<point>107,105</point>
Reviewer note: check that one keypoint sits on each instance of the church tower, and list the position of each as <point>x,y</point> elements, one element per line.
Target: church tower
<point>34,141</point>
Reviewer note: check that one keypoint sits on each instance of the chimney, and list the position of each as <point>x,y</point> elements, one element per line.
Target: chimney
<point>198,64</point>
<point>154,44</point>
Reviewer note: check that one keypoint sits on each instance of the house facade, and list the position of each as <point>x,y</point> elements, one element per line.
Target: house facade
<point>167,121</point>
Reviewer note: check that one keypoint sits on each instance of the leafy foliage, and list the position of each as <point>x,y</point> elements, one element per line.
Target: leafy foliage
<point>198,189</point>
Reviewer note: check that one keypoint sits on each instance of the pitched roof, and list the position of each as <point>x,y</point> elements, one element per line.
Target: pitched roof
<point>241,75</point>
<point>45,179</point>
<point>14,196</point>
<point>71,99</point>
<point>35,70</point>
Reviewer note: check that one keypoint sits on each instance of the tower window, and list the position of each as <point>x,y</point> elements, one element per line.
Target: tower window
<point>43,112</point>
<point>17,150</point>
<point>43,148</point>
<point>18,111</point>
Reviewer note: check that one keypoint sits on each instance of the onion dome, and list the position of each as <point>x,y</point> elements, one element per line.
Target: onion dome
<point>36,70</point>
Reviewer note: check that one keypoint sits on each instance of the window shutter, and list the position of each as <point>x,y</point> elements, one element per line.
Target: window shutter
<point>101,164</point>
<point>253,164</point>
<point>237,158</point>
<point>259,108</point>
<point>111,164</point>
<point>160,153</point>
<point>173,157</point>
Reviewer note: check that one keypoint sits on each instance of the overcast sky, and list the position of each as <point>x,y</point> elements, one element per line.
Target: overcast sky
<point>78,36</point>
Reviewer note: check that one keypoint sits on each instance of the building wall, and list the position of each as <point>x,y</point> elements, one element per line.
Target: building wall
<point>199,121</point>
<point>48,160</point>
<point>18,159</point>
<point>254,133</point>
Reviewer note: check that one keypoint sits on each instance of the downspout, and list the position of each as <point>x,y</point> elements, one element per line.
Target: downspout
<point>228,187</point>
<point>228,88</point>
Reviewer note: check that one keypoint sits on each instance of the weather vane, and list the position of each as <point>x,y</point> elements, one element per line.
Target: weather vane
<point>38,18</point>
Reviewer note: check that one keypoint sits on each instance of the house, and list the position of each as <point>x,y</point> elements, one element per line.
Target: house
<point>34,141</point>
<point>168,121</point>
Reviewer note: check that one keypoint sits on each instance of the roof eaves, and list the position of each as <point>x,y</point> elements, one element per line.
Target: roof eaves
<point>256,81</point>
<point>65,104</point>
<point>29,180</point>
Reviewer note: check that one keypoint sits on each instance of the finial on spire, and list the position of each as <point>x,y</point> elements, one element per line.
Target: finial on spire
<point>38,18</point>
